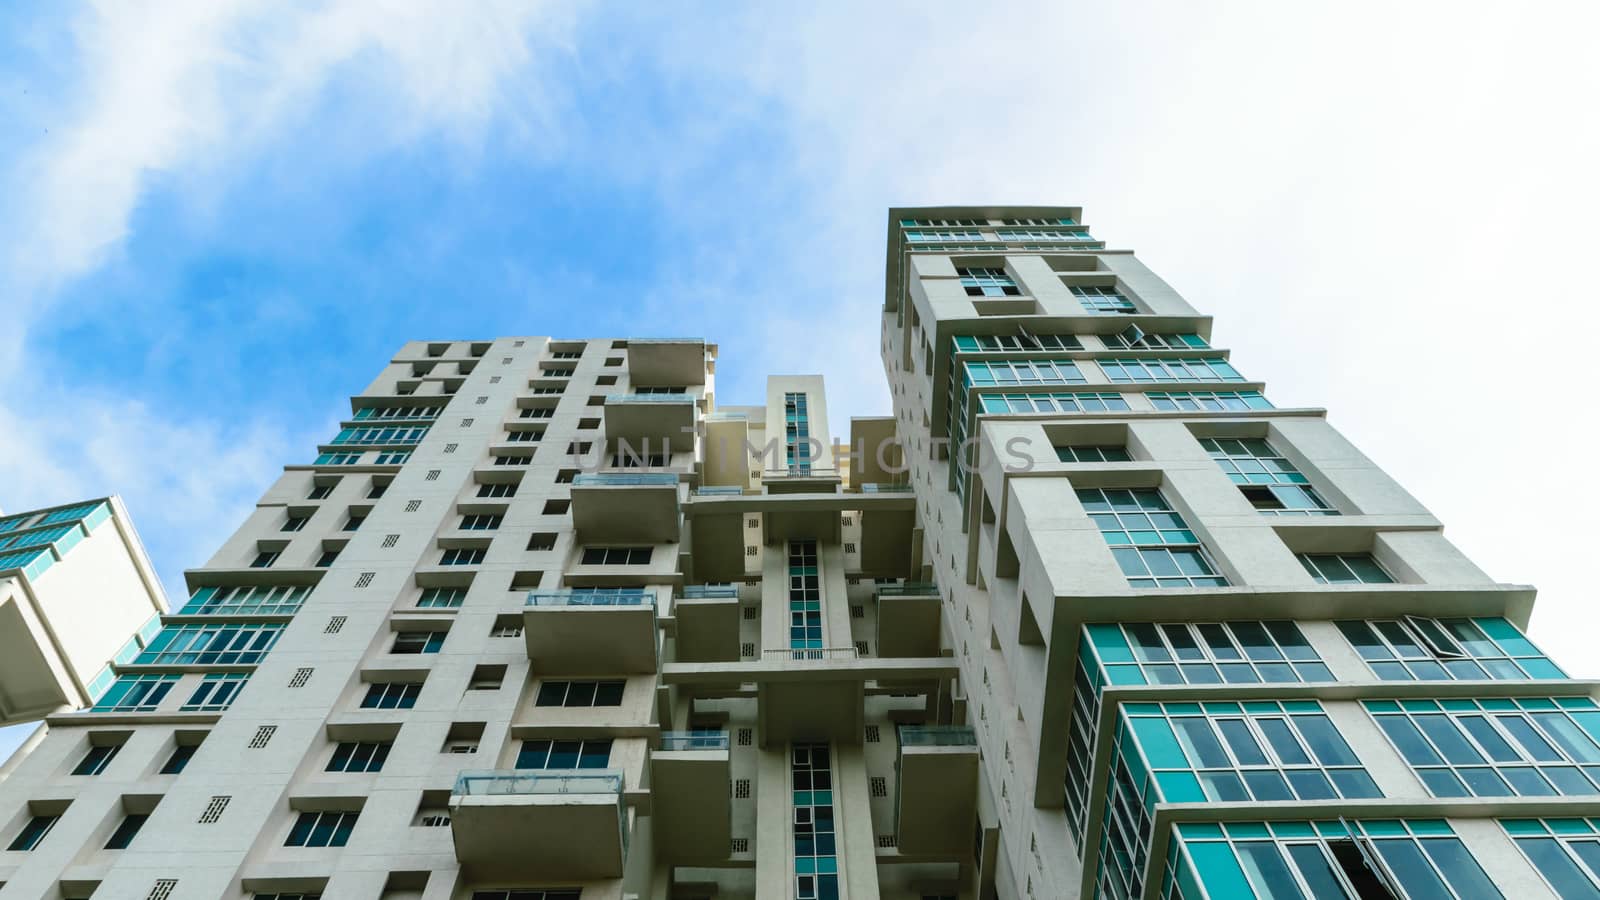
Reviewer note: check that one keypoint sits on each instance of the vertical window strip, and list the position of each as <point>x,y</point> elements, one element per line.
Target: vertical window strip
<point>816,860</point>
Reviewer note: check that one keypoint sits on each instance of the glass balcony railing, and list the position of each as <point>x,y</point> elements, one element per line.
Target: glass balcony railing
<point>665,340</point>
<point>694,740</point>
<point>597,597</point>
<point>503,782</point>
<point>685,399</point>
<point>710,592</point>
<point>811,653</point>
<point>725,417</point>
<point>909,589</point>
<point>624,479</point>
<point>886,489</point>
<point>720,490</point>
<point>937,736</point>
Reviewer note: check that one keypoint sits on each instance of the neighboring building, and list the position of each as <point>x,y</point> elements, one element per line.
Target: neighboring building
<point>76,593</point>
<point>536,624</point>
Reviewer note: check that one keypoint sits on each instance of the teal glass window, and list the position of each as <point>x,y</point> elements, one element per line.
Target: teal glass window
<point>337,459</point>
<point>462,556</point>
<point>393,458</point>
<point>1344,568</point>
<point>1565,851</point>
<point>386,413</point>
<point>1242,652</point>
<point>1014,343</point>
<point>1103,299</point>
<point>1092,454</point>
<point>181,754</point>
<point>942,235</point>
<point>987,282</point>
<point>1122,371</point>
<point>1417,648</point>
<point>797,434</point>
<point>1052,403</point>
<point>210,645</point>
<point>1150,540</point>
<point>1208,401</point>
<point>816,854</point>
<point>1269,481</point>
<point>369,435</point>
<point>1022,372</point>
<point>215,692</point>
<point>442,598</point>
<point>1136,339</point>
<point>529,894</point>
<point>1403,859</point>
<point>1511,747</point>
<point>805,597</point>
<point>1218,752</point>
<point>135,693</point>
<point>1064,235</point>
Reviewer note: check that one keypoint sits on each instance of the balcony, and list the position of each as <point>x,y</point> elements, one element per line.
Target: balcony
<point>908,620</point>
<point>691,809</point>
<point>626,506</point>
<point>667,361</point>
<point>532,826</point>
<point>936,793</point>
<point>582,632</point>
<point>707,623</point>
<point>649,422</point>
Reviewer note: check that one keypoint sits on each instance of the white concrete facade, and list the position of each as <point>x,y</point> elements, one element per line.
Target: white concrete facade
<point>547,620</point>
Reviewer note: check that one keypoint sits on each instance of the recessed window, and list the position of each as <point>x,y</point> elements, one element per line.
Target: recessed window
<point>1344,568</point>
<point>542,540</point>
<point>463,737</point>
<point>126,829</point>
<point>327,557</point>
<point>988,282</point>
<point>616,556</point>
<point>462,556</point>
<point>95,761</point>
<point>378,489</point>
<point>359,756</point>
<point>588,424</point>
<point>594,753</point>
<point>320,491</point>
<point>556,507</point>
<point>329,828</point>
<point>613,361</point>
<point>413,642</point>
<point>487,678</point>
<point>480,522</point>
<point>391,695</point>
<point>1266,477</point>
<point>1092,453</point>
<point>181,754</point>
<point>33,832</point>
<point>354,521</point>
<point>264,559</point>
<point>580,693</point>
<point>1150,540</point>
<point>498,490</point>
<point>1103,299</point>
<point>295,523</point>
<point>442,598</point>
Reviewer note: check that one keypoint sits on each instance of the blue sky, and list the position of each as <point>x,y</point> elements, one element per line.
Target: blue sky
<point>222,216</point>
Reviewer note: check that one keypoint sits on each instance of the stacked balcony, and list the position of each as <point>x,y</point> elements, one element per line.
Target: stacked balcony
<point>936,799</point>
<point>626,506</point>
<point>585,632</point>
<point>525,825</point>
<point>707,617</point>
<point>908,620</point>
<point>691,808</point>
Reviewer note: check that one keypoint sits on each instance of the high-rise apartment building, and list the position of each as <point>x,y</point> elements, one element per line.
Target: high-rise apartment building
<point>77,594</point>
<point>1086,616</point>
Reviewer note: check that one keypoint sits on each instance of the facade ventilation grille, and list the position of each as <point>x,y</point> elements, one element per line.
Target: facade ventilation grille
<point>301,676</point>
<point>263,734</point>
<point>162,889</point>
<point>213,810</point>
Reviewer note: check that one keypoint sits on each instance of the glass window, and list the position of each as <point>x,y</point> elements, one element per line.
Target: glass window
<point>987,282</point>
<point>418,641</point>
<point>1103,299</point>
<point>33,832</point>
<point>95,761</point>
<point>1208,401</point>
<point>1531,747</point>
<point>1422,649</point>
<point>580,693</point>
<point>1122,371</point>
<point>359,756</point>
<point>391,695</point>
<point>1344,568</point>
<point>126,829</point>
<point>1149,539</point>
<point>1092,454</point>
<point>322,829</point>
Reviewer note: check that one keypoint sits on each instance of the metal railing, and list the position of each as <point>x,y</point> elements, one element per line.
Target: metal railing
<point>710,592</point>
<point>651,398</point>
<point>702,739</point>
<point>600,597</point>
<point>622,479</point>
<point>909,589</point>
<point>937,736</point>
<point>811,653</point>
<point>501,782</point>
